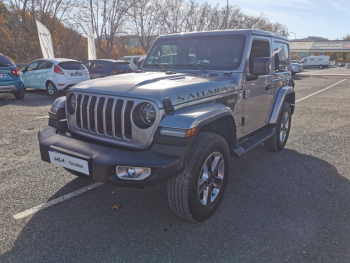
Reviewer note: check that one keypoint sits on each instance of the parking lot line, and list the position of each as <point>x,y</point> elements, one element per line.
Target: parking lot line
<point>60,199</point>
<point>320,91</point>
<point>42,206</point>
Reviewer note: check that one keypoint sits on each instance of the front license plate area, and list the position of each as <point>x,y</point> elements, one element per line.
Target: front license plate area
<point>73,163</point>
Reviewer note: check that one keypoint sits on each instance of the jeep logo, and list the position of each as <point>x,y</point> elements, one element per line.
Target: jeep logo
<point>59,160</point>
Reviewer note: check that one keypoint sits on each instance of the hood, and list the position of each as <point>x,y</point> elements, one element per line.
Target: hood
<point>156,86</point>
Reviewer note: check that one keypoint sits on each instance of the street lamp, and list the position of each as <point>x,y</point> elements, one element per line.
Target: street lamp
<point>295,36</point>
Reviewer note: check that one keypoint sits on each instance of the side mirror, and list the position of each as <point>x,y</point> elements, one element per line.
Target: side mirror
<point>261,66</point>
<point>24,70</point>
<point>139,63</point>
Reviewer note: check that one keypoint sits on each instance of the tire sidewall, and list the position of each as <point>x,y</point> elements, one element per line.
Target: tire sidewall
<point>198,211</point>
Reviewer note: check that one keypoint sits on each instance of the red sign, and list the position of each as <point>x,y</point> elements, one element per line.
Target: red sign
<point>58,49</point>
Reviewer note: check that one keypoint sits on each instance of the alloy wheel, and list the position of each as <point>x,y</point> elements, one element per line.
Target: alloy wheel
<point>211,178</point>
<point>284,127</point>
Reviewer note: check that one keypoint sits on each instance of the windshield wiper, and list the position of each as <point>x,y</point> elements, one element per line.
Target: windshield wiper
<point>193,65</point>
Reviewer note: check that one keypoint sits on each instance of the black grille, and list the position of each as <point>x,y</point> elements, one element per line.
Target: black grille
<point>108,116</point>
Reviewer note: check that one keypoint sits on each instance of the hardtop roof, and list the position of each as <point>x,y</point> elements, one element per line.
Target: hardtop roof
<point>228,32</point>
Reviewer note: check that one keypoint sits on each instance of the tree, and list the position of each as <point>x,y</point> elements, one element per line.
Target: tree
<point>106,18</point>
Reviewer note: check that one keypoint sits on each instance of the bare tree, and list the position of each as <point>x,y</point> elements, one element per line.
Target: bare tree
<point>145,15</point>
<point>106,18</point>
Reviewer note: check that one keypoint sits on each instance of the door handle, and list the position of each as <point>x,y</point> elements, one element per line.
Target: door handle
<point>269,87</point>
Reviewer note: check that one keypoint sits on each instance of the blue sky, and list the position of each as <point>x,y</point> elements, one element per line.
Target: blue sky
<point>324,18</point>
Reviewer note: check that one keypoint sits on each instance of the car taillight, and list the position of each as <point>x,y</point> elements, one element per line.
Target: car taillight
<point>58,70</point>
<point>116,72</point>
<point>15,72</point>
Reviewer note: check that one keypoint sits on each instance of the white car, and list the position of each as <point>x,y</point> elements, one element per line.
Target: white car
<point>54,74</point>
<point>295,68</point>
<point>132,60</point>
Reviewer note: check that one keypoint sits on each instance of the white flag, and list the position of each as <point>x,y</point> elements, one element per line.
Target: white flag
<point>45,41</point>
<point>91,45</point>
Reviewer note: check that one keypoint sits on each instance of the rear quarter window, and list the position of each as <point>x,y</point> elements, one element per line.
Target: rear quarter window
<point>5,61</point>
<point>71,65</point>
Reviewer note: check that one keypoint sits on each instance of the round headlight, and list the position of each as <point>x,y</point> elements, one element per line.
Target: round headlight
<point>73,102</point>
<point>148,113</point>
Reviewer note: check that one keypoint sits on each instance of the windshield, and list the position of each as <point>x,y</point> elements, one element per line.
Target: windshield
<point>214,52</point>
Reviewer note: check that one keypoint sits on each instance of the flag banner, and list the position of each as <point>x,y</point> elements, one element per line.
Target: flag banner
<point>91,45</point>
<point>45,40</point>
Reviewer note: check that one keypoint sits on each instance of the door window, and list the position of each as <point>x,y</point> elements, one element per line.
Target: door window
<point>260,49</point>
<point>33,66</point>
<point>281,54</point>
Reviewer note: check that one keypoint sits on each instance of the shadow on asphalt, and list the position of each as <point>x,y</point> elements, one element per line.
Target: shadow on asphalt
<point>278,207</point>
<point>30,99</point>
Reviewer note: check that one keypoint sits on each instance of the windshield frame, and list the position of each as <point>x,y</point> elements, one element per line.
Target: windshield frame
<point>179,67</point>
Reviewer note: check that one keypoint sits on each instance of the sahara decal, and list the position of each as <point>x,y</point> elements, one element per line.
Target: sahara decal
<point>202,94</point>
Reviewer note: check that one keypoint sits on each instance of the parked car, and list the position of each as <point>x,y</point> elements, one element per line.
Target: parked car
<point>296,68</point>
<point>132,60</point>
<point>180,118</point>
<point>316,62</point>
<point>100,68</point>
<point>341,64</point>
<point>331,64</point>
<point>54,74</point>
<point>10,79</point>
<point>297,61</point>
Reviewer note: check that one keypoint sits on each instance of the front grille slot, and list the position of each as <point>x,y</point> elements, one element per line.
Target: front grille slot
<point>118,118</point>
<point>84,121</point>
<point>91,113</point>
<point>77,114</point>
<point>99,115</point>
<point>108,118</point>
<point>127,120</point>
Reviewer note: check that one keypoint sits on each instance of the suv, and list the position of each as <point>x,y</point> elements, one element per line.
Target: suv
<point>100,68</point>
<point>215,95</point>
<point>10,80</point>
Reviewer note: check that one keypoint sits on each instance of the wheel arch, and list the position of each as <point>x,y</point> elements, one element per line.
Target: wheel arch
<point>285,94</point>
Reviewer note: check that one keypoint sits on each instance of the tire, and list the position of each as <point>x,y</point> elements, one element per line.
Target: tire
<point>51,89</point>
<point>20,94</point>
<point>278,141</point>
<point>320,67</point>
<point>184,194</point>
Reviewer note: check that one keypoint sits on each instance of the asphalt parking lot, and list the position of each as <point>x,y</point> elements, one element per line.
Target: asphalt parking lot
<point>291,206</point>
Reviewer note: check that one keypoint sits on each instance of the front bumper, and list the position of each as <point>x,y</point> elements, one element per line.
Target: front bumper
<point>165,161</point>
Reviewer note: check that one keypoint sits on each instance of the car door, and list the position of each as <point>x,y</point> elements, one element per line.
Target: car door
<point>258,92</point>
<point>28,74</point>
<point>40,75</point>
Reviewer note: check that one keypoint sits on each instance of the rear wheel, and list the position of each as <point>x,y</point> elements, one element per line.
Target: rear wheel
<point>196,193</point>
<point>51,89</point>
<point>278,141</point>
<point>19,94</point>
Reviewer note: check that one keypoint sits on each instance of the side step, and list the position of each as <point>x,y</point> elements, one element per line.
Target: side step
<point>253,141</point>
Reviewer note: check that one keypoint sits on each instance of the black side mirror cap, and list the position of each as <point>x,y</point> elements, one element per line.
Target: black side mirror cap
<point>139,63</point>
<point>261,66</point>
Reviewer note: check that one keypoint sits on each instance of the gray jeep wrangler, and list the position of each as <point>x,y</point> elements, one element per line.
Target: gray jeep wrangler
<point>199,99</point>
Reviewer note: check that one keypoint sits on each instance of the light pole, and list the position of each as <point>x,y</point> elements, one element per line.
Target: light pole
<point>295,36</point>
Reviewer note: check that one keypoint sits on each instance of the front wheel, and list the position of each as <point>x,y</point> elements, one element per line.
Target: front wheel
<point>320,67</point>
<point>51,89</point>
<point>279,140</point>
<point>19,94</point>
<point>196,193</point>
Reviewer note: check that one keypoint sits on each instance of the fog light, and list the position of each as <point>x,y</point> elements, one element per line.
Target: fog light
<point>133,173</point>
